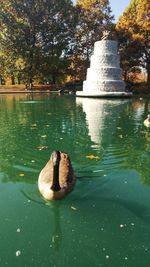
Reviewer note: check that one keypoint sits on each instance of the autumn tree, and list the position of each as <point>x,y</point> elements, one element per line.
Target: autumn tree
<point>38,33</point>
<point>93,18</point>
<point>57,36</point>
<point>20,27</point>
<point>133,30</point>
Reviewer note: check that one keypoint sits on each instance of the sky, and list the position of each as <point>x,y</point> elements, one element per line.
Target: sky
<point>117,6</point>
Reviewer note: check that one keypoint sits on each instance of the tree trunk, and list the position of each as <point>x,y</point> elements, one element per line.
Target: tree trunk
<point>53,78</point>
<point>30,83</point>
<point>12,79</point>
<point>18,79</point>
<point>148,76</point>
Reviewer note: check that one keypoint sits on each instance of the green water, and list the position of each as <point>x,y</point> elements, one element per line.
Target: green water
<point>105,220</point>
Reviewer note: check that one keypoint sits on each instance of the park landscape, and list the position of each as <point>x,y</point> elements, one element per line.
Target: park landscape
<point>51,42</point>
<point>105,220</point>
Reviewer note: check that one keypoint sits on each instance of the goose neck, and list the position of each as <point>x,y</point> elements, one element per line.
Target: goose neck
<point>55,183</point>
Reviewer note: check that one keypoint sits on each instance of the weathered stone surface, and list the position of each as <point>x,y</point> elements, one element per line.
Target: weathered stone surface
<point>105,46</point>
<point>103,86</point>
<point>104,75</point>
<point>111,60</point>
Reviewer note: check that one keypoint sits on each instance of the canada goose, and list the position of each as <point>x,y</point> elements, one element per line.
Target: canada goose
<point>57,177</point>
<point>147,121</point>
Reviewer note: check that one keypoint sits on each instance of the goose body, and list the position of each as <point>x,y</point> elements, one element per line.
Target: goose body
<point>147,121</point>
<point>57,178</point>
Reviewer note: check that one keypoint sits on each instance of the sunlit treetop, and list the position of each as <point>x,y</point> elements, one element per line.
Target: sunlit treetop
<point>136,19</point>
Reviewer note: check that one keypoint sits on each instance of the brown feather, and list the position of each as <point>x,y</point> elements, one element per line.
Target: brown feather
<point>67,177</point>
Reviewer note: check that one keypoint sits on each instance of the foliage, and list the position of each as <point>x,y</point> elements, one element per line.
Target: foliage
<point>93,18</point>
<point>133,30</point>
<point>39,33</point>
<point>48,40</point>
<point>57,36</point>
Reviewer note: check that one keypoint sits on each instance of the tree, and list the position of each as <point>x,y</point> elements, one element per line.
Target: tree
<point>94,17</point>
<point>39,33</point>
<point>133,30</point>
<point>20,23</point>
<point>57,36</point>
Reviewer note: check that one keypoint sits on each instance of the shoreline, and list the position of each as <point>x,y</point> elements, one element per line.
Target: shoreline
<point>48,89</point>
<point>15,89</point>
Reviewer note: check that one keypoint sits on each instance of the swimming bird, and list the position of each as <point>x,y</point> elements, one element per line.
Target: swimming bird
<point>57,178</point>
<point>147,121</point>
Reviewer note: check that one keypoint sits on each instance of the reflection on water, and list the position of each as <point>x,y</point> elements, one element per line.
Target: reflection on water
<point>105,220</point>
<point>101,115</point>
<point>110,126</point>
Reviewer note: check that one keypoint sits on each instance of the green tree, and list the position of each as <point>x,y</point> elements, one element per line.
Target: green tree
<point>39,33</point>
<point>20,24</point>
<point>7,66</point>
<point>57,36</point>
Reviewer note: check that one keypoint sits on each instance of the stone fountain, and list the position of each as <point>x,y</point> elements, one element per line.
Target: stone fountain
<point>104,77</point>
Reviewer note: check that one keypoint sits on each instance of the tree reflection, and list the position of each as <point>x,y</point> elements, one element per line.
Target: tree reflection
<point>120,124</point>
<point>31,128</point>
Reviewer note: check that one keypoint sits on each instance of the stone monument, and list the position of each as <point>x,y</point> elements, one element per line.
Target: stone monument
<point>104,77</point>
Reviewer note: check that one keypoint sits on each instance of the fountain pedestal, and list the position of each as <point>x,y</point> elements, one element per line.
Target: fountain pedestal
<point>104,75</point>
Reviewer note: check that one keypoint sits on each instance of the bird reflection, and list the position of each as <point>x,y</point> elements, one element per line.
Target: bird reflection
<point>56,237</point>
<point>57,232</point>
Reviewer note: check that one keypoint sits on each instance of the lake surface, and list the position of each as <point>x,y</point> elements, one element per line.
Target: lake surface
<point>105,220</point>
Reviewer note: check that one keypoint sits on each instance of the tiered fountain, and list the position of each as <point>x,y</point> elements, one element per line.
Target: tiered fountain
<point>104,75</point>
